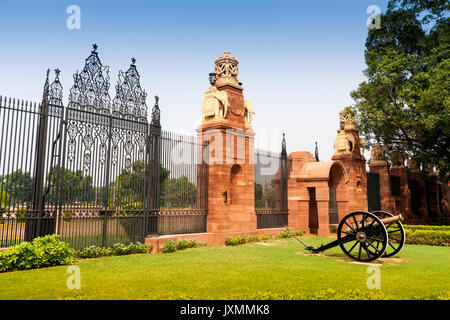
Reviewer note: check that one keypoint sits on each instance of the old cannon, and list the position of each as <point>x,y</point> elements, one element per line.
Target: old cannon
<point>365,236</point>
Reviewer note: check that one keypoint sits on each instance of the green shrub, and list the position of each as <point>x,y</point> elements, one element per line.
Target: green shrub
<point>117,249</point>
<point>253,239</point>
<point>266,237</point>
<point>91,252</point>
<point>428,237</point>
<point>169,247</point>
<point>299,233</point>
<point>21,213</point>
<point>120,249</point>
<point>43,252</point>
<point>67,215</point>
<point>22,256</point>
<point>5,263</point>
<point>235,241</point>
<point>285,234</point>
<point>52,251</point>
<point>139,248</point>
<point>426,227</point>
<point>185,244</point>
<point>105,252</point>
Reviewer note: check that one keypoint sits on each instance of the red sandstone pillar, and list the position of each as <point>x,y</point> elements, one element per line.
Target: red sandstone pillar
<point>386,200</point>
<point>404,201</point>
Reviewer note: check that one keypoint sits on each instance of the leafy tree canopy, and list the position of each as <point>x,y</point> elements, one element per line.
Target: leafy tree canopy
<point>18,184</point>
<point>179,193</point>
<point>405,101</point>
<point>71,186</point>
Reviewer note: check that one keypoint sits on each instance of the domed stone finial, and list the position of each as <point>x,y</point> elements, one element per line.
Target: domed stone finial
<point>227,70</point>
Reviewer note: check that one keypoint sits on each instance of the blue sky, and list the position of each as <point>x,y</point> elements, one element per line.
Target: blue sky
<point>299,60</point>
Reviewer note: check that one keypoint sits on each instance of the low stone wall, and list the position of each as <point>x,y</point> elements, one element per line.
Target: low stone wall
<point>215,239</point>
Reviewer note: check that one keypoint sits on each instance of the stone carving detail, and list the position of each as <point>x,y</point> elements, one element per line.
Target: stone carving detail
<point>248,111</point>
<point>227,70</point>
<point>215,104</point>
<point>344,142</point>
<point>397,158</point>
<point>379,152</point>
<point>346,119</point>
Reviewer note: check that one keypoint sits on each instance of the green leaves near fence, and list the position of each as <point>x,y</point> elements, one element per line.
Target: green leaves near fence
<point>42,252</point>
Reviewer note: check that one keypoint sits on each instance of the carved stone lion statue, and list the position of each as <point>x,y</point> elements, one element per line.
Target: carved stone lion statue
<point>215,104</point>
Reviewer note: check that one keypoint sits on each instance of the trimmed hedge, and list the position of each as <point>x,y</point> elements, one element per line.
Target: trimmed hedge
<point>118,249</point>
<point>426,227</point>
<point>43,252</point>
<point>427,237</point>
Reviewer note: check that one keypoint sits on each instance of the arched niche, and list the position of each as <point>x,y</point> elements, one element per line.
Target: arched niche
<point>236,181</point>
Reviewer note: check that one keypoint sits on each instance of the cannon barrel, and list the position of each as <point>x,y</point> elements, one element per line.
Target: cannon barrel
<point>390,220</point>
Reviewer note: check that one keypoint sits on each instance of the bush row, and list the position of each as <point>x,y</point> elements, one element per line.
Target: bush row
<point>241,240</point>
<point>182,244</point>
<point>427,237</point>
<point>118,249</point>
<point>426,227</point>
<point>42,252</point>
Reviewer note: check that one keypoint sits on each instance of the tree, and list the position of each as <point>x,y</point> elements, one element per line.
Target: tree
<point>18,184</point>
<point>179,193</point>
<point>405,101</point>
<point>4,202</point>
<point>259,196</point>
<point>68,186</point>
<point>264,196</point>
<point>131,183</point>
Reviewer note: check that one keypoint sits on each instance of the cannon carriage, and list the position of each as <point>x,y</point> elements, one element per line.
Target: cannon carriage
<point>365,236</point>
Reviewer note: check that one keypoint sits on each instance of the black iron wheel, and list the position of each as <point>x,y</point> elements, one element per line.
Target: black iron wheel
<point>362,236</point>
<point>396,234</point>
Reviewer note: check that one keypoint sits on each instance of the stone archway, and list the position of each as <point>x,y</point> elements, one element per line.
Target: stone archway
<point>338,193</point>
<point>312,214</point>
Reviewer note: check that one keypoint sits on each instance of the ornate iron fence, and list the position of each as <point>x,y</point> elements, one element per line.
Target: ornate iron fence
<point>96,172</point>
<point>271,188</point>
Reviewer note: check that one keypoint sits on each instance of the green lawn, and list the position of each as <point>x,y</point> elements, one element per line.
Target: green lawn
<point>280,269</point>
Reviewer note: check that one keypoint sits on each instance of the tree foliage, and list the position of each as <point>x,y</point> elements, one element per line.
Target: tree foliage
<point>131,183</point>
<point>405,101</point>
<point>4,201</point>
<point>18,184</point>
<point>264,196</point>
<point>179,193</point>
<point>71,186</point>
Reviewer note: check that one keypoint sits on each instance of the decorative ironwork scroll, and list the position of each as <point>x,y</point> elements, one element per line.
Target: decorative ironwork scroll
<point>130,98</point>
<point>56,91</point>
<point>129,103</point>
<point>156,113</point>
<point>90,93</point>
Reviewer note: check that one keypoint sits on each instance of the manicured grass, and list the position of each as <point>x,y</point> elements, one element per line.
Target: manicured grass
<point>280,269</point>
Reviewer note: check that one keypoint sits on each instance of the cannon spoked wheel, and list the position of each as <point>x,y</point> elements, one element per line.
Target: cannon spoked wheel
<point>396,234</point>
<point>362,236</point>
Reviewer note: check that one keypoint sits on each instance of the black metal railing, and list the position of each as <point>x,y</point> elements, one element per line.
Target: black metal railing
<point>267,219</point>
<point>96,172</point>
<point>271,173</point>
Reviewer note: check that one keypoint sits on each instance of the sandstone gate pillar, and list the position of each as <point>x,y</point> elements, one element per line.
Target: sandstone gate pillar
<point>379,165</point>
<point>347,146</point>
<point>226,129</point>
